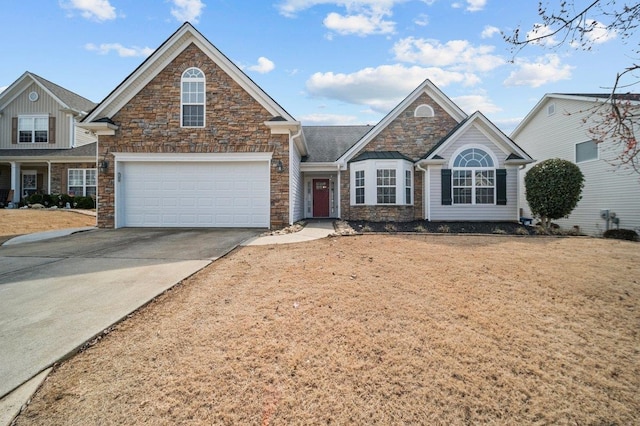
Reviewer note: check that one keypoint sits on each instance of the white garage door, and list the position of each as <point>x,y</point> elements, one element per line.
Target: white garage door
<point>195,194</point>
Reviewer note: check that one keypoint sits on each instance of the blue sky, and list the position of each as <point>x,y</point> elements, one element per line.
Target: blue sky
<point>324,61</point>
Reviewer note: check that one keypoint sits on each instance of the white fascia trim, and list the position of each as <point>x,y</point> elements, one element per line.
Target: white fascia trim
<point>282,127</point>
<point>41,159</point>
<point>318,167</point>
<point>173,47</point>
<point>435,162</point>
<point>99,128</point>
<point>189,157</point>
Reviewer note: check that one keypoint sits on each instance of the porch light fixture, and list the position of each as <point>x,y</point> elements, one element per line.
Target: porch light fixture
<point>104,166</point>
<point>279,166</point>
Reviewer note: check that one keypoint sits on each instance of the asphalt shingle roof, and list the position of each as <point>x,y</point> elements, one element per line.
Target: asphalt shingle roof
<point>381,155</point>
<point>72,100</point>
<point>328,143</point>
<point>88,150</point>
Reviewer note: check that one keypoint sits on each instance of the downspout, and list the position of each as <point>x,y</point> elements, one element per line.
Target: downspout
<point>291,195</point>
<point>425,205</point>
<point>339,191</point>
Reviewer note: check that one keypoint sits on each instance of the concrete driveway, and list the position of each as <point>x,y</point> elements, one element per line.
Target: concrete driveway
<point>57,294</point>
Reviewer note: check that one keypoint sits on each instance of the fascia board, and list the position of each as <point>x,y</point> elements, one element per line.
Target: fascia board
<point>163,56</point>
<point>319,167</point>
<point>193,157</point>
<point>426,87</point>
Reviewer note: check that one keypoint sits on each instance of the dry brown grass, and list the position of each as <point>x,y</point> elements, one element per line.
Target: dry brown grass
<point>14,222</point>
<point>374,330</point>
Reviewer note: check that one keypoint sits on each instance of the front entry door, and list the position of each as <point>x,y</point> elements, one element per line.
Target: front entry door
<point>321,198</point>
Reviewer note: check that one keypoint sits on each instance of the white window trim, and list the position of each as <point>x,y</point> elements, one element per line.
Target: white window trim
<point>33,131</point>
<point>575,152</point>
<point>473,174</point>
<point>423,111</point>
<point>409,187</point>
<point>204,100</point>
<point>84,182</point>
<point>551,109</point>
<point>356,187</point>
<point>370,168</point>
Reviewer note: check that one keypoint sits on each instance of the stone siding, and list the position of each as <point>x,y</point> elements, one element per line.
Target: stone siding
<point>234,122</point>
<point>60,175</point>
<point>413,137</point>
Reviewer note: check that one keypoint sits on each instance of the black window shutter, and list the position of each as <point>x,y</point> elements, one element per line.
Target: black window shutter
<point>501,187</point>
<point>446,187</point>
<point>14,130</point>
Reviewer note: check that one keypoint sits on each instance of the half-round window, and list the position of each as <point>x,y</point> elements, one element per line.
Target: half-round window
<point>473,157</point>
<point>423,110</point>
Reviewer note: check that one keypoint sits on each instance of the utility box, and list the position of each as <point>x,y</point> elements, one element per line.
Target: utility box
<point>604,214</point>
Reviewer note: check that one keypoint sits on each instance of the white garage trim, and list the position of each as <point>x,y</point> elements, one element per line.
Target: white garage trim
<point>192,190</point>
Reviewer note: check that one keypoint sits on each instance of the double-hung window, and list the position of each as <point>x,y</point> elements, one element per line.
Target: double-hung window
<point>192,98</point>
<point>82,182</point>
<point>473,178</point>
<point>408,187</point>
<point>33,129</point>
<point>386,186</point>
<point>586,151</point>
<point>359,186</point>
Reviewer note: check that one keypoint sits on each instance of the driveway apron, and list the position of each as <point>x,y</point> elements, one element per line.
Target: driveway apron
<point>57,294</point>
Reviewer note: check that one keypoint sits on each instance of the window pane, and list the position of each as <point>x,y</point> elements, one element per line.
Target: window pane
<point>193,115</point>
<point>91,177</point>
<point>386,195</point>
<point>484,195</point>
<point>41,136</point>
<point>25,136</point>
<point>484,178</point>
<point>461,195</point>
<point>90,191</point>
<point>41,123</point>
<point>586,151</point>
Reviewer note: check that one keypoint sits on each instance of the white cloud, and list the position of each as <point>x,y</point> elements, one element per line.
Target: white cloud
<point>599,33</point>
<point>544,31</point>
<point>476,5</point>
<point>489,31</point>
<point>328,119</point>
<point>472,5</point>
<point>361,24</point>
<point>457,54</point>
<point>187,10</point>
<point>422,20</point>
<point>507,125</point>
<point>263,66</point>
<point>362,17</point>
<point>383,87</point>
<point>471,103</point>
<point>97,10</point>
<point>545,69</point>
<point>121,50</point>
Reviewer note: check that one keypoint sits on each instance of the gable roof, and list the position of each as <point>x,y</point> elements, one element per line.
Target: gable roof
<point>66,98</point>
<point>582,97</point>
<point>426,87</point>
<point>162,56</point>
<point>328,143</point>
<point>516,154</point>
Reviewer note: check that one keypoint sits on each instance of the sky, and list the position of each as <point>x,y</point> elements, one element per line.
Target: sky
<point>327,62</point>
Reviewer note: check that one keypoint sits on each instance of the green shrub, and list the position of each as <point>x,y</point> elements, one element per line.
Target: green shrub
<point>83,203</point>
<point>622,234</point>
<point>553,189</point>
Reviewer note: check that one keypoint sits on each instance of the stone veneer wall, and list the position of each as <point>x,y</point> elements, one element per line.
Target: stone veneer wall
<point>60,175</point>
<point>413,137</point>
<point>234,122</point>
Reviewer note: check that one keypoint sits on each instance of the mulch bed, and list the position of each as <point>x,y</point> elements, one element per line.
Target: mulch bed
<point>425,226</point>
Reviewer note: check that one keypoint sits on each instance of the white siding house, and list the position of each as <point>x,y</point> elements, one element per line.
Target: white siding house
<point>558,127</point>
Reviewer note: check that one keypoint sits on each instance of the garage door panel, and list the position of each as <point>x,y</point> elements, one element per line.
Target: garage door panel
<point>214,194</point>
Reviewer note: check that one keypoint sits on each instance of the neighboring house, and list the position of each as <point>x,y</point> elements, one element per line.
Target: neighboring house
<point>41,147</point>
<point>558,127</point>
<point>189,140</point>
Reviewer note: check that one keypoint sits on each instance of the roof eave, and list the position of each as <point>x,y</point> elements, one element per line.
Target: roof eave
<point>99,128</point>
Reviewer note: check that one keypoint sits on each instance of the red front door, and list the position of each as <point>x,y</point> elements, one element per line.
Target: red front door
<point>321,198</point>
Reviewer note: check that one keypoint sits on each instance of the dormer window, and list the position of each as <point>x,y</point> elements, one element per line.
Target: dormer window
<point>192,98</point>
<point>423,110</point>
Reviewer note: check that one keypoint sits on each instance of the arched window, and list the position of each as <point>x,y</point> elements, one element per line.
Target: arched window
<point>423,110</point>
<point>192,98</point>
<point>474,177</point>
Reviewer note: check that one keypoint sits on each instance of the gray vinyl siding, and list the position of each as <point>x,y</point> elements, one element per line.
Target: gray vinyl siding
<point>45,105</point>
<point>606,187</point>
<point>297,185</point>
<point>84,137</point>
<point>508,212</point>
